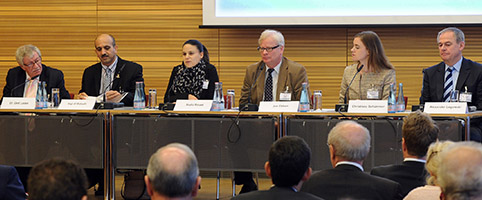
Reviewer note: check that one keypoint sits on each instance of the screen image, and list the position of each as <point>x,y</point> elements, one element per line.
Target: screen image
<point>340,12</point>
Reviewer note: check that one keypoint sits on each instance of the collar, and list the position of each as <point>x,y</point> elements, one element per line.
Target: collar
<point>456,66</point>
<point>291,188</point>
<point>350,163</point>
<point>277,68</point>
<point>415,160</point>
<point>28,77</point>
<point>112,66</point>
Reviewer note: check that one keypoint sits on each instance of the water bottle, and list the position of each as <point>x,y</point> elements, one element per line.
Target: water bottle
<point>317,100</point>
<point>304,99</point>
<point>139,97</point>
<point>44,95</point>
<point>401,99</point>
<point>230,99</point>
<point>392,104</point>
<point>218,99</point>
<point>39,102</point>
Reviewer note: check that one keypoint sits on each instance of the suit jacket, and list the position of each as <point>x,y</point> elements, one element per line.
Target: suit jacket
<point>348,181</point>
<point>470,75</point>
<point>16,76</point>
<point>276,193</point>
<point>291,74</point>
<point>126,75</point>
<point>410,174</point>
<point>211,75</point>
<point>10,186</point>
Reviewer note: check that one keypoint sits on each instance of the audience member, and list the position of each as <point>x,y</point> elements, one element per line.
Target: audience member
<point>11,188</point>
<point>349,144</point>
<point>172,173</point>
<point>418,132</point>
<point>288,167</point>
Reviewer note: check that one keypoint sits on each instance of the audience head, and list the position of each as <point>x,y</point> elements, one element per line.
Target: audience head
<point>271,47</point>
<point>289,161</point>
<point>368,48</point>
<point>451,42</point>
<point>460,174</point>
<point>418,132</point>
<point>193,52</point>
<point>434,160</point>
<point>348,141</point>
<point>106,49</point>
<point>57,179</point>
<point>29,59</point>
<point>173,173</point>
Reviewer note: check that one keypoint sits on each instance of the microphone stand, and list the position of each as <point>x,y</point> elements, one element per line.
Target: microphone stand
<point>110,105</point>
<point>16,87</point>
<point>250,106</point>
<point>344,107</point>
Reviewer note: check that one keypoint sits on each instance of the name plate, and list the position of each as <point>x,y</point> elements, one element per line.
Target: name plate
<point>18,103</point>
<point>278,106</point>
<point>77,104</point>
<point>445,107</point>
<point>368,106</point>
<point>193,105</point>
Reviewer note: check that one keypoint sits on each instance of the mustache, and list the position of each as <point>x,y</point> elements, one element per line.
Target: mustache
<point>104,55</point>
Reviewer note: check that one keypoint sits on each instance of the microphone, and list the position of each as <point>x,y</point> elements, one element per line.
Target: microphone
<point>250,106</point>
<point>21,84</point>
<point>110,105</point>
<point>344,107</point>
<point>167,105</point>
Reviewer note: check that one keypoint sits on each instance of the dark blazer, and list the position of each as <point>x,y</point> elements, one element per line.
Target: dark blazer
<point>276,193</point>
<point>10,186</point>
<point>16,76</point>
<point>126,75</point>
<point>410,174</point>
<point>470,75</point>
<point>211,75</point>
<point>348,181</point>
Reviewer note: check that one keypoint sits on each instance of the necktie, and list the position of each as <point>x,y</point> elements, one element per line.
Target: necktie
<point>449,83</point>
<point>32,89</point>
<point>106,83</point>
<point>268,88</point>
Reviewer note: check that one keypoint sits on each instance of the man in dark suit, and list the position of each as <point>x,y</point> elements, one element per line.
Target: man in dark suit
<point>11,187</point>
<point>349,144</point>
<point>22,81</point>
<point>454,73</point>
<point>288,167</point>
<point>418,132</point>
<point>112,75</point>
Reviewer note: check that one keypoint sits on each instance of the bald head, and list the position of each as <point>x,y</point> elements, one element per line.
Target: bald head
<point>106,49</point>
<point>173,171</point>
<point>460,174</point>
<point>350,140</point>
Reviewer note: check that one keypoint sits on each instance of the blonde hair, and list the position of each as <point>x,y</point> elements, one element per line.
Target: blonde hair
<point>434,159</point>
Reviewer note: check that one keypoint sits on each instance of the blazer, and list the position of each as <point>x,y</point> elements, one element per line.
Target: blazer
<point>16,76</point>
<point>291,74</point>
<point>211,75</point>
<point>470,75</point>
<point>10,186</point>
<point>276,193</point>
<point>348,181</point>
<point>410,174</point>
<point>126,75</point>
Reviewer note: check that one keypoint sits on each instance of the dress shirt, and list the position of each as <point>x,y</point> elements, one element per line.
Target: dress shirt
<point>350,163</point>
<point>274,75</point>
<point>455,71</point>
<point>104,74</point>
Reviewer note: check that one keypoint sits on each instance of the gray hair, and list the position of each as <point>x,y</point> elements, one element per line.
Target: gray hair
<point>277,36</point>
<point>26,51</point>
<point>460,176</point>
<point>350,140</point>
<point>177,182</point>
<point>434,159</point>
<point>459,34</point>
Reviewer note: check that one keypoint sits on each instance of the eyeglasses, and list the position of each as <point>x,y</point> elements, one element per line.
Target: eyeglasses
<point>34,63</point>
<point>268,49</point>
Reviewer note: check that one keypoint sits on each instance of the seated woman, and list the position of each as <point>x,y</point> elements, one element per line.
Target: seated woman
<point>375,73</point>
<point>193,79</point>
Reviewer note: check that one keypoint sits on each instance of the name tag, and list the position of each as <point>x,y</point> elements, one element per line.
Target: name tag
<point>193,105</point>
<point>18,103</point>
<point>285,96</point>
<point>368,106</point>
<point>205,84</point>
<point>465,97</point>
<point>77,104</point>
<point>278,106</point>
<point>445,107</point>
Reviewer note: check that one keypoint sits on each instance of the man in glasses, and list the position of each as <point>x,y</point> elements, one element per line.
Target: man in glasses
<point>267,79</point>
<point>22,81</point>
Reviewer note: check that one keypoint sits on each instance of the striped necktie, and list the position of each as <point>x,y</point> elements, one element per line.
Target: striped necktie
<point>449,84</point>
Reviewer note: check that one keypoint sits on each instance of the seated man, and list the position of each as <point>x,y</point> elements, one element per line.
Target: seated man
<point>349,144</point>
<point>57,179</point>
<point>460,172</point>
<point>288,167</point>
<point>10,186</point>
<point>418,132</point>
<point>173,173</point>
